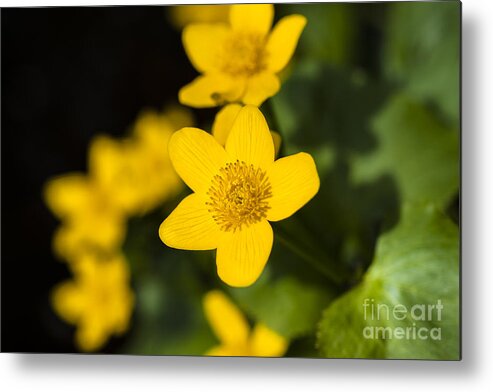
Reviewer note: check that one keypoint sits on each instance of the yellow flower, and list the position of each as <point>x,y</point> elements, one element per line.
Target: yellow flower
<point>239,61</point>
<point>233,331</point>
<point>136,172</point>
<point>224,121</point>
<point>98,301</point>
<point>237,190</point>
<point>90,220</point>
<point>183,15</point>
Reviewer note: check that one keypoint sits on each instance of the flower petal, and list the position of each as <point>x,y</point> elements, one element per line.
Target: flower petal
<point>260,87</point>
<point>267,343</point>
<point>283,40</point>
<point>227,351</point>
<point>276,138</point>
<point>252,17</point>
<point>224,121</point>
<point>225,319</point>
<point>211,90</point>
<point>69,195</point>
<point>242,255</point>
<point>190,226</point>
<point>202,43</point>
<point>294,180</point>
<point>250,139</point>
<point>196,157</point>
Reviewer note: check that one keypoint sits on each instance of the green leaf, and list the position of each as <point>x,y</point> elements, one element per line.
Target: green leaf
<point>423,51</point>
<point>329,34</point>
<point>287,305</point>
<point>416,264</point>
<point>419,152</point>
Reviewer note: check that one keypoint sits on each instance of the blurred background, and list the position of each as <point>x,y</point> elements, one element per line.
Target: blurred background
<point>69,74</point>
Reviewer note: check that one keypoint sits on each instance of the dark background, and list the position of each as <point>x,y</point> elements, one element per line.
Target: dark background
<point>67,74</point>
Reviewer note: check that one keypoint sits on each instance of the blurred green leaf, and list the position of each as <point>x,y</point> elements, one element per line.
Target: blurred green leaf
<point>419,152</point>
<point>329,34</point>
<point>287,305</point>
<point>423,51</point>
<point>416,263</point>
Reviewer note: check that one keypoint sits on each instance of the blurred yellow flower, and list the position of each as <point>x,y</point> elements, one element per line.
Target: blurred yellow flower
<point>89,219</point>
<point>232,329</point>
<point>98,300</point>
<point>136,172</point>
<point>237,190</point>
<point>224,121</point>
<point>239,61</point>
<point>182,15</point>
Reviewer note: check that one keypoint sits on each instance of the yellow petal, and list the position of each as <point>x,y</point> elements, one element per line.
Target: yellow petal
<point>260,87</point>
<point>252,17</point>
<point>224,121</point>
<point>183,15</point>
<point>225,319</point>
<point>91,335</point>
<point>242,255</point>
<point>68,301</point>
<point>68,195</point>
<point>211,90</point>
<point>283,40</point>
<point>294,180</point>
<point>190,226</point>
<point>197,157</point>
<point>267,343</point>
<point>250,140</point>
<point>202,43</point>
<point>229,351</point>
<point>276,138</point>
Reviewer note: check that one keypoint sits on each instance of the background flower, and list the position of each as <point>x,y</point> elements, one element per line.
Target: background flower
<point>234,334</point>
<point>239,61</point>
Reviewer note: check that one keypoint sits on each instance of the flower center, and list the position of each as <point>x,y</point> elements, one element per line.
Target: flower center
<point>239,196</point>
<point>243,54</point>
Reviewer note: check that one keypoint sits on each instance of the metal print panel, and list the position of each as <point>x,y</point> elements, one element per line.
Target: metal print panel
<point>236,180</point>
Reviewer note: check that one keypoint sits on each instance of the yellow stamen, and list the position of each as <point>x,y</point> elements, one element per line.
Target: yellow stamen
<point>239,196</point>
<point>243,55</point>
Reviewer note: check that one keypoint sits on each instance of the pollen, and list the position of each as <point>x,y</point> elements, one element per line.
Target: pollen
<point>239,196</point>
<point>243,54</point>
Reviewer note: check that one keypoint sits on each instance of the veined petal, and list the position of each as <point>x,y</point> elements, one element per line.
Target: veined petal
<point>225,319</point>
<point>190,226</point>
<point>196,157</point>
<point>294,181</point>
<point>224,121</point>
<point>267,343</point>
<point>250,140</point>
<point>260,87</point>
<point>283,40</point>
<point>202,43</point>
<point>211,90</point>
<point>252,17</point>
<point>242,255</point>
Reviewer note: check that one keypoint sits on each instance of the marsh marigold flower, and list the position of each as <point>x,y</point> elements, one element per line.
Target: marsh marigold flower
<point>239,61</point>
<point>233,332</point>
<point>238,189</point>
<point>98,300</point>
<point>89,219</point>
